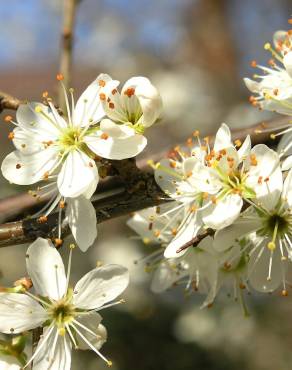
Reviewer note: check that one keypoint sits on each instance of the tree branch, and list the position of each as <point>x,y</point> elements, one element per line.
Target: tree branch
<point>65,69</point>
<point>8,102</point>
<point>140,191</point>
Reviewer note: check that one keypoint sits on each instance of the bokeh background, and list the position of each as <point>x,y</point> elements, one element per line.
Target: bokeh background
<point>196,52</point>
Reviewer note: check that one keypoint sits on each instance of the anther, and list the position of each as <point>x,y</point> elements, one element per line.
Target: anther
<point>253,63</point>
<point>42,219</point>
<point>18,166</point>
<point>102,96</point>
<point>58,242</point>
<point>111,105</point>
<point>62,204</point>
<point>267,46</point>
<point>284,293</point>
<point>101,83</point>
<point>130,92</point>
<point>60,77</point>
<point>271,246</point>
<point>8,118</point>
<point>11,135</point>
<point>104,136</point>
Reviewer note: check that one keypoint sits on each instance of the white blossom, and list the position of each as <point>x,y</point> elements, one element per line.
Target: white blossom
<point>48,146</point>
<point>214,182</point>
<point>267,229</point>
<point>193,269</point>
<point>69,316</point>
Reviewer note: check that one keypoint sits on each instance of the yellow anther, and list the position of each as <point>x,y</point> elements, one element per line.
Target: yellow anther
<point>273,136</point>
<point>72,246</point>
<point>62,332</point>
<point>284,293</point>
<point>267,46</point>
<point>146,240</point>
<point>109,363</point>
<point>271,246</point>
<point>99,263</point>
<point>38,109</point>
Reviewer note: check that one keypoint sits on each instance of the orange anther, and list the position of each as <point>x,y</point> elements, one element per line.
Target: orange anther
<point>253,63</point>
<point>290,20</point>
<point>58,242</point>
<point>42,219</point>
<point>62,204</point>
<point>11,135</point>
<point>59,77</point>
<point>129,92</point>
<point>172,164</point>
<point>8,118</point>
<point>174,231</point>
<point>237,143</point>
<point>284,293</point>
<point>46,175</point>
<point>111,105</point>
<point>157,233</point>
<point>45,94</point>
<point>196,133</point>
<point>101,83</point>
<point>260,180</point>
<point>102,96</point>
<point>104,136</point>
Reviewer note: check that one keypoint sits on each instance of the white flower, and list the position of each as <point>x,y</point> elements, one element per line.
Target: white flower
<point>193,269</point>
<point>138,105</point>
<point>9,363</point>
<point>273,90</point>
<point>48,146</point>
<point>215,182</point>
<point>79,213</point>
<point>69,316</point>
<point>267,229</point>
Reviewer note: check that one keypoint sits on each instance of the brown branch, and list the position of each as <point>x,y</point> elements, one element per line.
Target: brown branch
<point>140,192</point>
<point>65,69</point>
<point>8,102</point>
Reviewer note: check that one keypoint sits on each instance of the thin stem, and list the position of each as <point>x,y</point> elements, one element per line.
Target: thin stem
<point>69,12</point>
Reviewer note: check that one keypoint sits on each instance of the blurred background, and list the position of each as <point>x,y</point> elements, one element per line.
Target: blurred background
<point>196,52</point>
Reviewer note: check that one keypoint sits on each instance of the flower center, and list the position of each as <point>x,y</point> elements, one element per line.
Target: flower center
<point>71,138</point>
<point>62,313</point>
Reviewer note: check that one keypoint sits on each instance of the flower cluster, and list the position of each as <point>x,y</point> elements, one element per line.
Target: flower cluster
<point>225,219</point>
<point>62,152</point>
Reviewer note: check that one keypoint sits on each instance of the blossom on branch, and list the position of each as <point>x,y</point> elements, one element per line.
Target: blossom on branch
<point>69,317</point>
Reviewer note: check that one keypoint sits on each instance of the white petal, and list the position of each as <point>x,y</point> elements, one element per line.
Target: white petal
<point>149,99</point>
<point>28,169</point>
<point>115,130</point>
<point>48,128</point>
<point>223,213</point>
<point>287,189</point>
<point>27,142</point>
<point>46,269</point>
<point>258,275</point>
<point>267,161</point>
<point>245,148</point>
<point>115,148</point>
<point>93,322</point>
<point>186,233</point>
<point>9,363</point>
<point>89,106</point>
<point>252,85</point>
<point>287,61</point>
<point>287,163</point>
<point>77,173</point>
<point>53,356</point>
<point>226,237</point>
<point>101,285</point>
<point>19,313</point>
<point>223,138</point>
<point>165,276</point>
<point>82,221</point>
<point>284,143</point>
